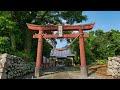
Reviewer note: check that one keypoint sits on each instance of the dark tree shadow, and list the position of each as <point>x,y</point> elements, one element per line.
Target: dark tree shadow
<point>51,70</point>
<point>92,72</point>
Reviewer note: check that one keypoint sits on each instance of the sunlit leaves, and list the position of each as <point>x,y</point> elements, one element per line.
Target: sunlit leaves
<point>4,44</point>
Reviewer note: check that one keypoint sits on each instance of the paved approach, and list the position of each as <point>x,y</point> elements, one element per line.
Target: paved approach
<point>62,72</point>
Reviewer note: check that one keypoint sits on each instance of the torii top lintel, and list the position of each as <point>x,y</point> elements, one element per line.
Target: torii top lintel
<point>55,27</point>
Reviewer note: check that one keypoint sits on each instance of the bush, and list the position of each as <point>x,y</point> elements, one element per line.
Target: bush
<point>67,62</point>
<point>101,61</point>
<point>88,61</point>
<point>24,56</point>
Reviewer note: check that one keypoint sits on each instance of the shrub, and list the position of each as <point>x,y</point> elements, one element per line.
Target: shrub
<point>24,56</point>
<point>101,61</point>
<point>67,62</point>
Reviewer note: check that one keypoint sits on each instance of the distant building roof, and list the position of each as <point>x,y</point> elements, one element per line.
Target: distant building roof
<point>61,53</point>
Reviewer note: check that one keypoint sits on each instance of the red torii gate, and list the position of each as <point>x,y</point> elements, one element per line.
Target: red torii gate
<point>81,35</point>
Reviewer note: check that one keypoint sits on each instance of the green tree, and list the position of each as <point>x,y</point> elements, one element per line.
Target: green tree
<point>13,26</point>
<point>100,45</point>
<point>8,28</point>
<point>113,46</point>
<point>90,56</point>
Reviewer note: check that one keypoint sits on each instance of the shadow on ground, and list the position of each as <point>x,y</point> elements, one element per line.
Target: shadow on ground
<point>53,70</point>
<point>95,69</point>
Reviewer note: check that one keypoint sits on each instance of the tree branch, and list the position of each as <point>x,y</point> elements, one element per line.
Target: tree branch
<point>44,15</point>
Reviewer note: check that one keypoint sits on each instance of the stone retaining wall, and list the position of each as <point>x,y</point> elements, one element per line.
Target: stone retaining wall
<point>114,66</point>
<point>12,67</point>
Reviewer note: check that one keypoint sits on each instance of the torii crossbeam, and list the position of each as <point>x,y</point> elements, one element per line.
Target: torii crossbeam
<point>40,35</point>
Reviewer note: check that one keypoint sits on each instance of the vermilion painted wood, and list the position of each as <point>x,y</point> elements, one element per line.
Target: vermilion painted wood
<point>82,54</point>
<point>82,49</point>
<point>64,36</point>
<point>39,50</point>
<point>65,27</point>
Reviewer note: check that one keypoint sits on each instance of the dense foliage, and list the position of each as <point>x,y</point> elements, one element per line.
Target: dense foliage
<point>99,46</point>
<point>15,38</point>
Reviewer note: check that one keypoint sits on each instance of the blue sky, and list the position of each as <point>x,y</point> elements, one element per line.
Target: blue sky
<point>105,20</point>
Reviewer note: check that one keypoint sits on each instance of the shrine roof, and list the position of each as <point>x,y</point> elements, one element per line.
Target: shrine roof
<point>61,53</point>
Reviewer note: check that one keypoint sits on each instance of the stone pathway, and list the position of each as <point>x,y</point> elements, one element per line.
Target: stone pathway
<point>61,72</point>
<point>55,73</point>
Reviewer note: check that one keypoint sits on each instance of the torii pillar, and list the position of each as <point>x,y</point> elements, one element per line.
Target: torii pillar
<point>83,68</point>
<point>39,54</point>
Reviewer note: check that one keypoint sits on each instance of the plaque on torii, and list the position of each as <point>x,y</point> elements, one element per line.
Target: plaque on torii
<point>60,29</point>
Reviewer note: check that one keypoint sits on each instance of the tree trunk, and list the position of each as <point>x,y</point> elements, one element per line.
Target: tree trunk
<point>13,42</point>
<point>28,42</point>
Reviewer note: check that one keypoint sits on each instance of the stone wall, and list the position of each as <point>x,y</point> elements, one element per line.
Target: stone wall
<point>12,67</point>
<point>114,66</point>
